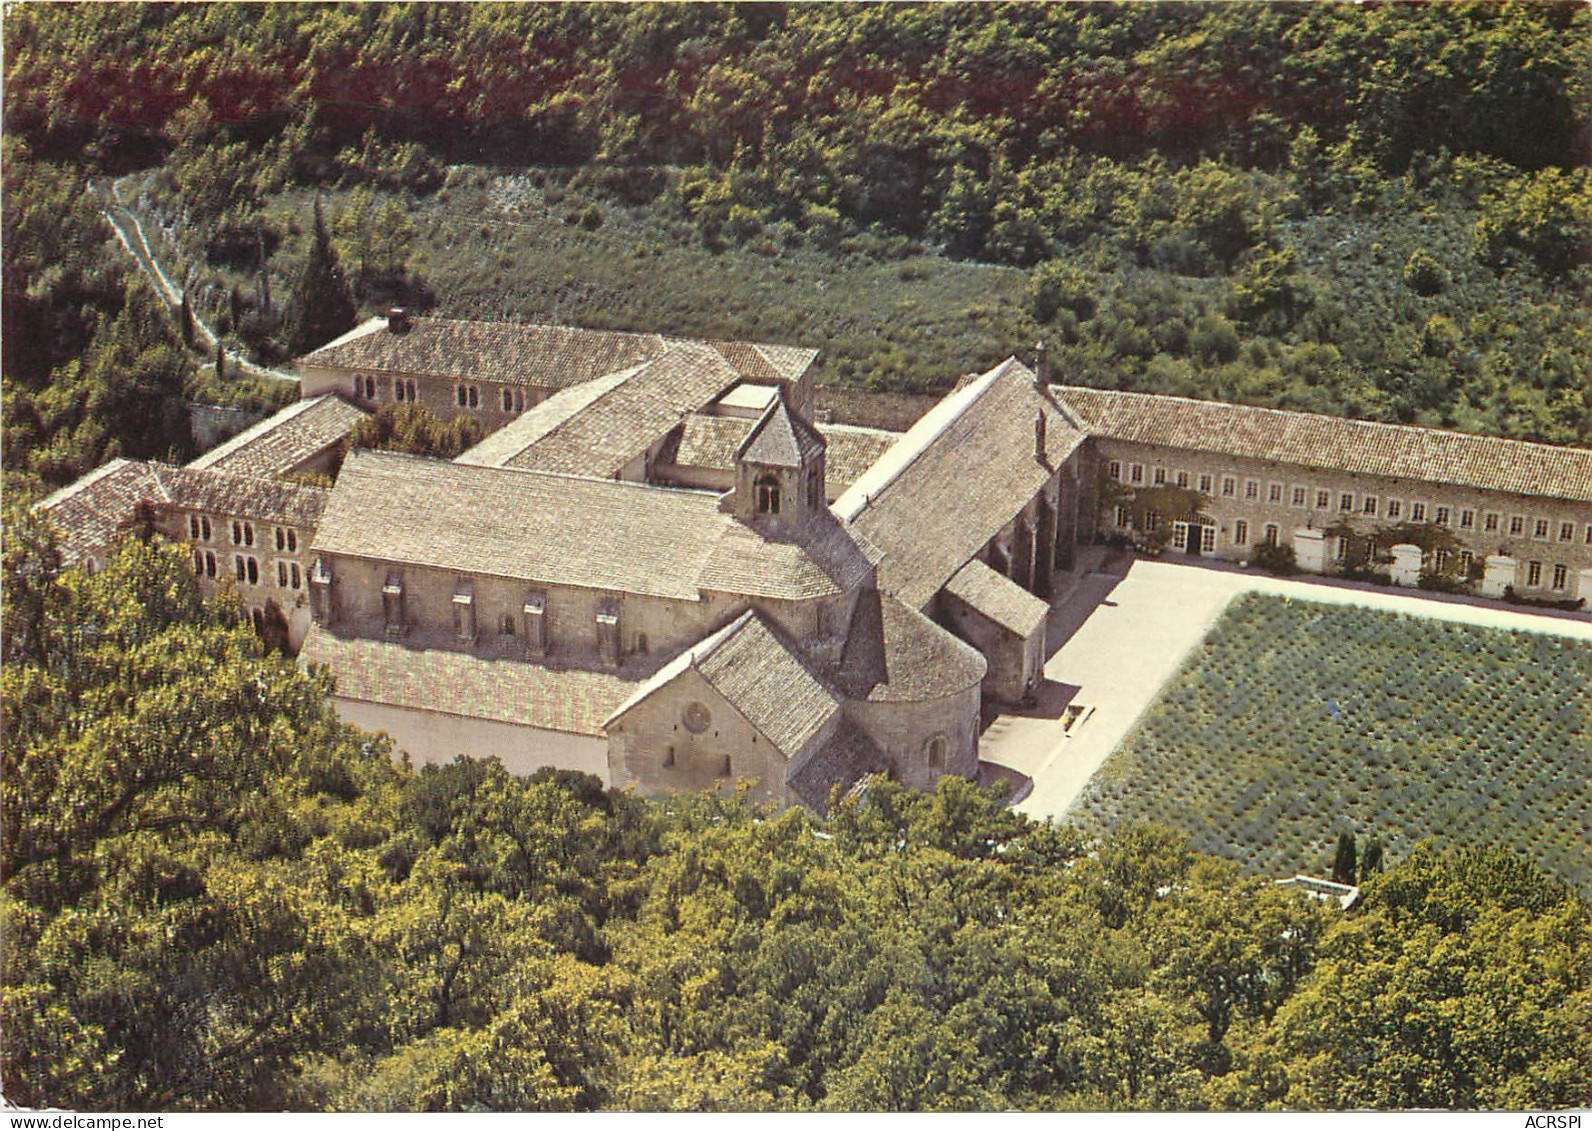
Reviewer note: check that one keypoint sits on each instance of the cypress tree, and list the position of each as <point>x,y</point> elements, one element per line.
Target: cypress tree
<point>187,321</point>
<point>323,307</point>
<point>1343,870</point>
<point>1371,862</point>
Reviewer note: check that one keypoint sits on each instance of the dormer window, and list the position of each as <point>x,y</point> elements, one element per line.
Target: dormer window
<point>767,495</point>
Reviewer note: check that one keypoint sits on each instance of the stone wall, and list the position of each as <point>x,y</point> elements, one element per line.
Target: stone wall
<point>433,738</point>
<point>654,750</point>
<point>274,569</point>
<point>903,731</point>
<point>1016,664</point>
<point>438,394</point>
<point>1275,487</point>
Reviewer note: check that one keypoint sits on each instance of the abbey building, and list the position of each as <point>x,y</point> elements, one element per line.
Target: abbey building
<point>659,568</point>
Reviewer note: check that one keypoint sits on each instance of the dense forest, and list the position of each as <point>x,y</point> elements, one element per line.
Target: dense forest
<point>217,896</point>
<point>1377,210</point>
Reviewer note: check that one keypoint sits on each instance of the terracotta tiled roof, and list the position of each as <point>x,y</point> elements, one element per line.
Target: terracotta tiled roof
<point>573,530</point>
<point>781,438</point>
<point>624,421</point>
<point>895,654</point>
<point>849,756</point>
<point>1360,447</point>
<point>999,598</point>
<point>280,443</point>
<point>90,513</point>
<point>956,478</point>
<point>458,683</point>
<point>527,354</point>
<point>241,496</point>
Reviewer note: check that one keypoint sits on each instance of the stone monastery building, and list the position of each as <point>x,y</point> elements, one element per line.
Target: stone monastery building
<point>658,568</point>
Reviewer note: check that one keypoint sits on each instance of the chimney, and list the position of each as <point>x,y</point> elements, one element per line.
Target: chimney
<point>397,319</point>
<point>1040,375</point>
<point>1039,437</point>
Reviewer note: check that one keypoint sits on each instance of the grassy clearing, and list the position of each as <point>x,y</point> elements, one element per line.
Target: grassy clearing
<point>1295,721</point>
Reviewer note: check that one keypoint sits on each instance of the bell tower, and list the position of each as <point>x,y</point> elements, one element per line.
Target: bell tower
<point>779,469</point>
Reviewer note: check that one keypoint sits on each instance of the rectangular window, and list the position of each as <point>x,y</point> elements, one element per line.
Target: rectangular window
<point>1368,504</point>
<point>1124,516</point>
<point>1152,520</point>
<point>1346,501</point>
<point>1252,489</point>
<point>1394,508</point>
<point>1205,484</point>
<point>1517,525</point>
<point>508,404</point>
<point>1561,576</point>
<point>1229,487</point>
<point>1116,470</point>
<point>1540,530</point>
<point>1589,534</point>
<point>210,564</point>
<point>1467,519</point>
<point>1208,538</point>
<point>1323,500</point>
<point>1489,522</point>
<point>1466,560</point>
<point>1417,512</point>
<point>459,395</point>
<point>1533,574</point>
<point>1136,473</point>
<point>1182,481</point>
<point>1567,532</point>
<point>1274,493</point>
<point>1301,496</point>
<point>1441,516</point>
<point>1240,533</point>
<point>296,575</point>
<point>1272,531</point>
<point>1158,477</point>
<point>1440,560</point>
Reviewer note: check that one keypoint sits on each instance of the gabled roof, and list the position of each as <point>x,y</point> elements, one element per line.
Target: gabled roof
<point>528,354</point>
<point>572,530</point>
<point>90,513</point>
<point>761,675</point>
<point>957,477</point>
<point>998,598</point>
<point>624,420</point>
<point>283,442</point>
<point>531,426</point>
<point>781,438</point>
<point>1359,447</point>
<point>390,673</point>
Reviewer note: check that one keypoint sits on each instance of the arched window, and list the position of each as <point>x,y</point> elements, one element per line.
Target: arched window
<point>767,495</point>
<point>936,749</point>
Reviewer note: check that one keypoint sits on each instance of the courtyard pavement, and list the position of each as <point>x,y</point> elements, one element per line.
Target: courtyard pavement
<point>1121,637</point>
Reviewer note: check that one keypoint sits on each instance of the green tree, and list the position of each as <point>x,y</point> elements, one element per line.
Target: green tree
<point>323,307</point>
<point>1343,860</point>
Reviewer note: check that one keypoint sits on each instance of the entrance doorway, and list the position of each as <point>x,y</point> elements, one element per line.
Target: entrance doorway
<point>1194,538</point>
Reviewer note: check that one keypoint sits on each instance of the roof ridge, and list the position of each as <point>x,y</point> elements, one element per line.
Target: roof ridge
<point>1358,422</point>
